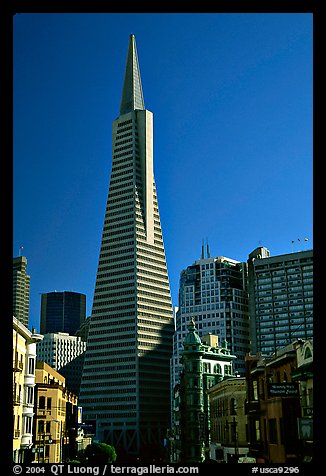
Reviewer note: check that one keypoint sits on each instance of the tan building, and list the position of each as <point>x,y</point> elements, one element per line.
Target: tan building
<point>24,358</point>
<point>228,420</point>
<point>55,417</point>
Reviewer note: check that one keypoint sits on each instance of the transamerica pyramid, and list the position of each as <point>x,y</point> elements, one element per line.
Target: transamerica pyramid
<point>125,388</point>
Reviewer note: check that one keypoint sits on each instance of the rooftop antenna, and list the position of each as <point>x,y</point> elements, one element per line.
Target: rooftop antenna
<point>202,249</point>
<point>20,250</point>
<point>208,253</point>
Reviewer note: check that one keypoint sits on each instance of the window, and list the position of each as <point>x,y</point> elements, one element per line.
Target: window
<point>28,424</point>
<point>30,395</point>
<point>217,369</point>
<point>233,406</point>
<point>257,430</point>
<point>41,426</point>
<point>255,389</point>
<point>227,369</point>
<point>41,403</point>
<point>31,365</point>
<point>207,367</point>
<point>307,353</point>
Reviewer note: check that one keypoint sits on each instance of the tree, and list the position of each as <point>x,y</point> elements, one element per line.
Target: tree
<point>100,453</point>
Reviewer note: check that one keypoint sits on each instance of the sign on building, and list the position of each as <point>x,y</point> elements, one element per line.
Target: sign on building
<point>283,389</point>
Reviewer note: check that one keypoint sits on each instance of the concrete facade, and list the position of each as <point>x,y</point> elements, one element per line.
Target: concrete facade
<point>125,389</point>
<point>280,299</point>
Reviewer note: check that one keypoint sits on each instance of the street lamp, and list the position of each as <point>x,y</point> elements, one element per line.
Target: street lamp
<point>233,426</point>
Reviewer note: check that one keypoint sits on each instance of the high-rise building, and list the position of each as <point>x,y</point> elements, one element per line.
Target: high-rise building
<point>280,299</point>
<point>125,386</point>
<point>21,289</point>
<point>62,312</point>
<point>65,354</point>
<point>213,291</point>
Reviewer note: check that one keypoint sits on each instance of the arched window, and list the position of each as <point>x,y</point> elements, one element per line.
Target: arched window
<point>233,406</point>
<point>307,353</point>
<point>227,369</point>
<point>207,367</point>
<point>217,369</point>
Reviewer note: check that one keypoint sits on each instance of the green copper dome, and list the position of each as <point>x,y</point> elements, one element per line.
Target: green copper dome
<point>192,337</point>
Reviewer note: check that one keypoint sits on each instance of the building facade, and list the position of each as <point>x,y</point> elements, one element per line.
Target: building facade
<point>273,407</point>
<point>21,289</point>
<point>125,386</point>
<point>24,360</point>
<point>62,312</point>
<point>304,376</point>
<point>204,363</point>
<point>65,354</point>
<point>55,423</point>
<point>213,292</point>
<point>228,421</point>
<point>280,299</point>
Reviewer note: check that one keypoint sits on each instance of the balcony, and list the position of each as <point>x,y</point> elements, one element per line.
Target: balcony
<point>18,366</point>
<point>17,400</point>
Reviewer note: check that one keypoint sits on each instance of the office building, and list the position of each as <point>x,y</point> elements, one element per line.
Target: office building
<point>21,289</point>
<point>62,312</point>
<point>65,354</point>
<point>280,299</point>
<point>213,292</point>
<point>125,388</point>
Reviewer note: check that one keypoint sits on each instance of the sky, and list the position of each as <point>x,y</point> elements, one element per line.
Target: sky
<point>232,100</point>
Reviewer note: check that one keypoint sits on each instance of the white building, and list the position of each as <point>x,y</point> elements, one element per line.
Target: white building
<point>125,389</point>
<point>64,353</point>
<point>280,299</point>
<point>59,348</point>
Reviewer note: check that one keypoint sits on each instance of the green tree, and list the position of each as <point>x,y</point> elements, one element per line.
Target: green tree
<point>100,453</point>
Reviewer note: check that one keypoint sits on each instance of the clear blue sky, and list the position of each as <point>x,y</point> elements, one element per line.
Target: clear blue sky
<point>231,96</point>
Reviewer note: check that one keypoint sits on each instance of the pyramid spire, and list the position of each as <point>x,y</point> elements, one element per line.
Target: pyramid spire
<point>132,93</point>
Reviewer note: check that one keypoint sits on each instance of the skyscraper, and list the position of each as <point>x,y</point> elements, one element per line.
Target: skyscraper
<point>213,291</point>
<point>62,311</point>
<point>65,354</point>
<point>280,298</point>
<point>21,289</point>
<point>125,386</point>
